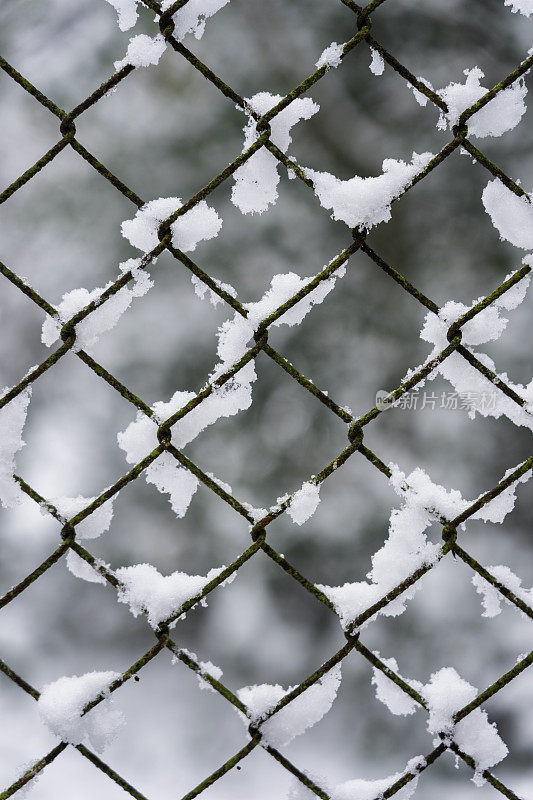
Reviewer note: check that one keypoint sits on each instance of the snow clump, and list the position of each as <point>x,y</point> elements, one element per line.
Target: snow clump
<point>365,202</point>
<point>144,589</point>
<point>331,56</point>
<point>524,7</point>
<point>407,548</point>
<point>499,115</point>
<point>467,381</point>
<point>12,419</point>
<point>492,598</point>
<point>256,181</point>
<point>104,317</point>
<point>198,224</point>
<point>377,65</point>
<point>61,707</point>
<point>126,12</point>
<point>143,51</point>
<point>512,216</point>
<point>304,503</point>
<point>91,527</point>
<point>446,693</point>
<point>302,713</point>
<point>359,789</point>
<point>192,17</point>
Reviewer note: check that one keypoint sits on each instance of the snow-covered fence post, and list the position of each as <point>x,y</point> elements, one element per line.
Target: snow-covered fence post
<point>79,709</point>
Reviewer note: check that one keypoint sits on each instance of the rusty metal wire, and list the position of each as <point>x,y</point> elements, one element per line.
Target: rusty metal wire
<point>354,427</point>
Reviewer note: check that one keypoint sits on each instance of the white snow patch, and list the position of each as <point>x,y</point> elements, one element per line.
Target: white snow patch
<point>497,509</point>
<point>499,115</point>
<point>377,65</point>
<point>392,695</point>
<point>212,670</point>
<point>144,589</point>
<point>304,503</point>
<point>420,97</point>
<point>169,477</point>
<point>62,702</point>
<point>512,216</point>
<point>205,668</point>
<point>101,319</point>
<point>191,18</point>
<point>331,56</point>
<point>359,789</point>
<point>82,569</point>
<point>256,181</point>
<point>92,526</point>
<point>524,7</point>
<point>12,419</point>
<point>143,51</point>
<point>201,289</point>
<point>446,693</point>
<point>198,224</point>
<point>365,202</point>
<point>126,12</point>
<point>405,550</point>
<point>407,547</point>
<point>302,713</point>
<point>492,598</point>
<point>480,395</point>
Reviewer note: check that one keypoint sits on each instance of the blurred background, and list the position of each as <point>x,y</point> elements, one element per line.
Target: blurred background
<point>166,131</point>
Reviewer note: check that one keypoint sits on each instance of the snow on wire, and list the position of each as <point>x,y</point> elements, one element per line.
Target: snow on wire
<point>79,709</point>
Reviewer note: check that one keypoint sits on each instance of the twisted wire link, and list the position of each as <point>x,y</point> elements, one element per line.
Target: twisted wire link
<point>355,430</point>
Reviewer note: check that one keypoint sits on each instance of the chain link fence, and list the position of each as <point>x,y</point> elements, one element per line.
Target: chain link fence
<point>355,427</point>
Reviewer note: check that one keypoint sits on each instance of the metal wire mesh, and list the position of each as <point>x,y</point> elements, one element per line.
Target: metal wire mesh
<point>354,427</point>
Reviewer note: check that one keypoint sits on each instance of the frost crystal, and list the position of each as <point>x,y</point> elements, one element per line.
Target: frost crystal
<point>62,702</point>
<point>143,51</point>
<point>492,598</point>
<point>331,56</point>
<point>256,181</point>
<point>197,225</point>
<point>191,18</point>
<point>365,202</point>
<point>126,12</point>
<point>377,65</point>
<point>304,503</point>
<point>104,317</point>
<point>302,713</point>
<point>12,419</point>
<point>501,114</point>
<point>512,216</point>
<point>466,380</point>
<point>524,7</point>
<point>144,589</point>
